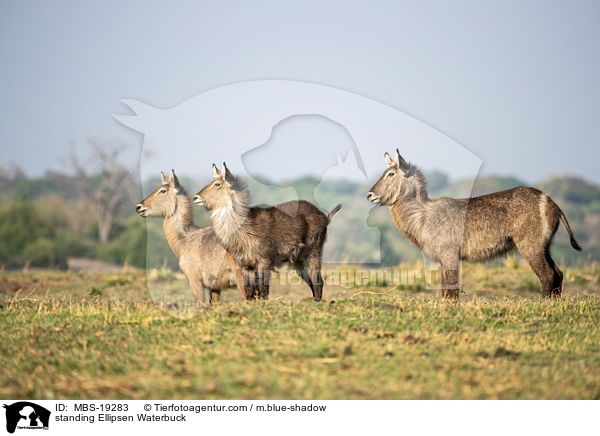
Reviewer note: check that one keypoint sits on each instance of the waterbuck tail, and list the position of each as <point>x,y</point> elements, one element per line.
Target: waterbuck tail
<point>574,243</point>
<point>333,212</point>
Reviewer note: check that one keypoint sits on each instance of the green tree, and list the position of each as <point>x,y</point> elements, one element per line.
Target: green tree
<point>20,225</point>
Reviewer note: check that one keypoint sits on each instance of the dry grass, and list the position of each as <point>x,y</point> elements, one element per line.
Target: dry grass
<point>368,341</point>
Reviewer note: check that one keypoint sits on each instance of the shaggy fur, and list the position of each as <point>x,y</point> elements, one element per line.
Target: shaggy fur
<point>263,238</point>
<point>476,229</point>
<point>202,259</point>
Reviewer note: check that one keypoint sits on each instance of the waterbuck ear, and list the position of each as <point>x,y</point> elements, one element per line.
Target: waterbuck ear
<point>228,176</point>
<point>401,162</point>
<point>216,172</point>
<point>163,179</point>
<point>389,162</point>
<point>174,181</point>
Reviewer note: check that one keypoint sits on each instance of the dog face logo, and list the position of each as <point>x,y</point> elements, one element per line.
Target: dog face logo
<point>26,415</point>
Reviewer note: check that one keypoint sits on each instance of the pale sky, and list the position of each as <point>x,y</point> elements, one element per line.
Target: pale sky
<point>515,82</point>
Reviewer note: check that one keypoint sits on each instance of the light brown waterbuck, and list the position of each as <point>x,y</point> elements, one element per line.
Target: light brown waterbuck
<point>205,263</point>
<point>263,238</point>
<point>476,229</point>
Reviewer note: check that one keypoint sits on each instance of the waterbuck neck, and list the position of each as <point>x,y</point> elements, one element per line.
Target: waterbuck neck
<point>229,222</point>
<point>409,213</point>
<point>179,223</point>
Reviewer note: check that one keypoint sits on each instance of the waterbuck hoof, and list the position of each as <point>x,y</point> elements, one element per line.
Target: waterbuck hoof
<point>554,293</point>
<point>450,295</point>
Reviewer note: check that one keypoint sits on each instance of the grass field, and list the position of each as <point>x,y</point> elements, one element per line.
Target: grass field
<point>100,335</point>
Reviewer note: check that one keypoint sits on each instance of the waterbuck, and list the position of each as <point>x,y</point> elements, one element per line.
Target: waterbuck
<point>202,259</point>
<point>262,238</point>
<point>476,229</point>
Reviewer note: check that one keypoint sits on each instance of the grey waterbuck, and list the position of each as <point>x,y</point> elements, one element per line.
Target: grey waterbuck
<point>202,259</point>
<point>476,229</point>
<point>262,238</point>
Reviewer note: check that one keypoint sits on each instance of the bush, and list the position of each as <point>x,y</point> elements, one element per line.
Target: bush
<point>44,252</point>
<point>20,225</point>
<point>132,245</point>
<point>71,244</point>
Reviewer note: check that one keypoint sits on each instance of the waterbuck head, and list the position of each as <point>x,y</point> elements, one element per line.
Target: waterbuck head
<point>399,180</point>
<point>163,201</point>
<point>219,193</point>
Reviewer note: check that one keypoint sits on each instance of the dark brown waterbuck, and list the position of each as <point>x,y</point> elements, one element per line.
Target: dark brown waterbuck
<point>475,229</point>
<point>205,263</point>
<point>263,238</point>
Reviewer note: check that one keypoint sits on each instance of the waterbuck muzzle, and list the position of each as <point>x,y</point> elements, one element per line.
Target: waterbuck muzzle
<point>373,198</point>
<point>141,209</point>
<point>198,200</point>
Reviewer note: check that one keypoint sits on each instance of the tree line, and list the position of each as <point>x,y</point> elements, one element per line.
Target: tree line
<point>89,212</point>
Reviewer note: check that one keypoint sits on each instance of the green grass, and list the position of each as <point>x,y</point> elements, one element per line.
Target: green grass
<point>61,340</point>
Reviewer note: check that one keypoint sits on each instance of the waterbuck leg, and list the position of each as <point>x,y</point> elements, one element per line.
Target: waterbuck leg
<point>450,281</point>
<point>558,276</point>
<point>302,272</point>
<point>314,274</point>
<point>264,275</point>
<point>538,261</point>
<point>316,291</point>
<point>207,295</point>
<point>545,273</point>
<point>317,281</point>
<point>239,280</point>
<point>249,278</point>
<point>198,289</point>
